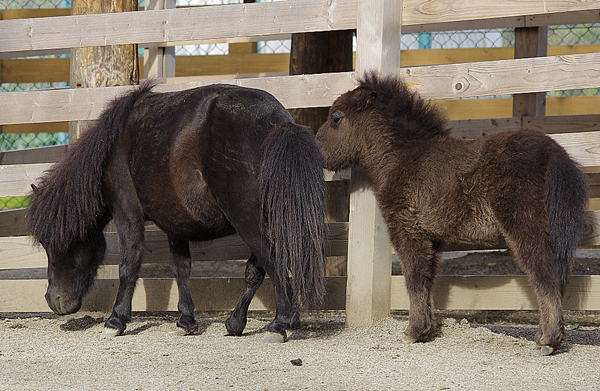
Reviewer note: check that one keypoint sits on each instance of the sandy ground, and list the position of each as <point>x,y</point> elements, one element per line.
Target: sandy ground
<point>47,352</point>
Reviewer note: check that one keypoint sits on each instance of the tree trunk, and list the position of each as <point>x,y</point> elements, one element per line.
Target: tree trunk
<point>323,52</point>
<point>101,66</point>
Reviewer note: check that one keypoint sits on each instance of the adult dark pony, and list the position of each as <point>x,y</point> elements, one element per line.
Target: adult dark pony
<point>201,164</point>
<point>434,189</point>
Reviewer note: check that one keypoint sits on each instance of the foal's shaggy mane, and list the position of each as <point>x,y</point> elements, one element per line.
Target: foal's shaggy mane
<point>410,116</point>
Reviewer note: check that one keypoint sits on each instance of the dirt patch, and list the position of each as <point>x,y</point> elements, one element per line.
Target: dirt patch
<point>47,352</point>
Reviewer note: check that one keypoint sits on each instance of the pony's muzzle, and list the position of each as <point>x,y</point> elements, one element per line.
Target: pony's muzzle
<point>62,303</point>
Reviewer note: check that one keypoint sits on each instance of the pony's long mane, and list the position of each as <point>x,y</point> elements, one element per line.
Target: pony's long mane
<point>409,115</point>
<point>67,204</point>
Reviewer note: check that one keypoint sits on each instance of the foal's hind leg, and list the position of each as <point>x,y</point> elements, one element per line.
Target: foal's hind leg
<point>544,275</point>
<point>254,277</point>
<point>181,264</point>
<point>419,261</point>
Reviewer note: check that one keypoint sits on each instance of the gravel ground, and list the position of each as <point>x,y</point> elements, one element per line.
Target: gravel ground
<point>47,352</point>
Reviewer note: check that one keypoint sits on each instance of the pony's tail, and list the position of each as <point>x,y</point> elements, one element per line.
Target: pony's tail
<point>566,201</point>
<point>292,190</point>
<point>69,195</point>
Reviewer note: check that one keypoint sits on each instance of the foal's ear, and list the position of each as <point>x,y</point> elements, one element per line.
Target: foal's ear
<point>366,99</point>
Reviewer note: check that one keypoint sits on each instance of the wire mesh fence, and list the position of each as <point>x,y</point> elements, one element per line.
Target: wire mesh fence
<point>490,38</point>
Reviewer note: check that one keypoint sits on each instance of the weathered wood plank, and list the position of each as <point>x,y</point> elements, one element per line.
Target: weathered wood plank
<point>87,103</point>
<point>221,294</point>
<point>498,293</point>
<point>33,70</point>
<point>433,82</point>
<point>189,24</point>
<point>33,155</point>
<point>209,294</point>
<point>12,222</point>
<point>16,179</point>
<point>517,76</point>
<point>584,148</point>
<point>184,24</point>
<point>19,252</point>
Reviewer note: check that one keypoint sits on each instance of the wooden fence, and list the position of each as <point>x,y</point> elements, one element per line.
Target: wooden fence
<point>369,291</point>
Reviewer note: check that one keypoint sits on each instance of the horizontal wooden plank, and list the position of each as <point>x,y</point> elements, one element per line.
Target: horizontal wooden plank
<point>183,24</point>
<point>209,294</point>
<point>87,103</point>
<point>469,117</point>
<point>12,222</point>
<point>221,294</point>
<point>33,155</point>
<point>16,179</point>
<point>584,148</point>
<point>20,252</point>
<point>498,293</point>
<point>475,128</point>
<point>197,23</point>
<point>35,70</point>
<point>540,74</point>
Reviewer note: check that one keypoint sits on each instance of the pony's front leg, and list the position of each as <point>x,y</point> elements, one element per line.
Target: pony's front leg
<point>254,277</point>
<point>129,268</point>
<point>181,264</point>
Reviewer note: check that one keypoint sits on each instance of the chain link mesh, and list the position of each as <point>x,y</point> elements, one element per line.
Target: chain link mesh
<point>587,34</point>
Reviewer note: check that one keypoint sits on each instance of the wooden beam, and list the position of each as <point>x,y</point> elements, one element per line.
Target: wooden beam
<point>33,155</point>
<point>19,252</point>
<point>517,76</point>
<point>498,293</point>
<point>199,23</point>
<point>16,179</point>
<point>530,42</point>
<point>369,249</point>
<point>221,294</point>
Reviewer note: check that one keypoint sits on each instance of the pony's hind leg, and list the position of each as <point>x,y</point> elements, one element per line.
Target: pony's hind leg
<point>254,277</point>
<point>287,316</point>
<point>419,262</point>
<point>181,264</point>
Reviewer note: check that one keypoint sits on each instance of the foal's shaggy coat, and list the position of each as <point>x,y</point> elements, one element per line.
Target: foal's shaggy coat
<point>434,189</point>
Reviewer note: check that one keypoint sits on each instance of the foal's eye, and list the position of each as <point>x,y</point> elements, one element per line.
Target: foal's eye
<point>336,117</point>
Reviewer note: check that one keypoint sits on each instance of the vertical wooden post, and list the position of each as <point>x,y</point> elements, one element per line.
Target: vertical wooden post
<point>369,252</point>
<point>103,66</point>
<point>530,42</point>
<point>159,62</point>
<point>322,52</point>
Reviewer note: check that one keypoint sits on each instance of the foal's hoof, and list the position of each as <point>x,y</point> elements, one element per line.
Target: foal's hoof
<point>271,337</point>
<point>183,331</point>
<point>408,340</point>
<point>109,332</point>
<point>546,350</point>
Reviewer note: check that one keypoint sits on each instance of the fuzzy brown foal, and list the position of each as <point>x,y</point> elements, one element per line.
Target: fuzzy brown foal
<point>520,188</point>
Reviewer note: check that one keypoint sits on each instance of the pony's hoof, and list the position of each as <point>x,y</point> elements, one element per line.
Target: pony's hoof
<point>408,340</point>
<point>183,331</point>
<point>273,338</point>
<point>546,350</point>
<point>109,332</point>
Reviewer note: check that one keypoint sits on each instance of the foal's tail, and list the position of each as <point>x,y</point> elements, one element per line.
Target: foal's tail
<point>67,203</point>
<point>566,201</point>
<point>292,192</point>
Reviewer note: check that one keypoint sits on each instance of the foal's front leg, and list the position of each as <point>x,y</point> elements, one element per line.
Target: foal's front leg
<point>419,262</point>
<point>181,264</point>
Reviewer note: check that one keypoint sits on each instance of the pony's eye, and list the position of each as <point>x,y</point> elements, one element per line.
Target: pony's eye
<point>336,117</point>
